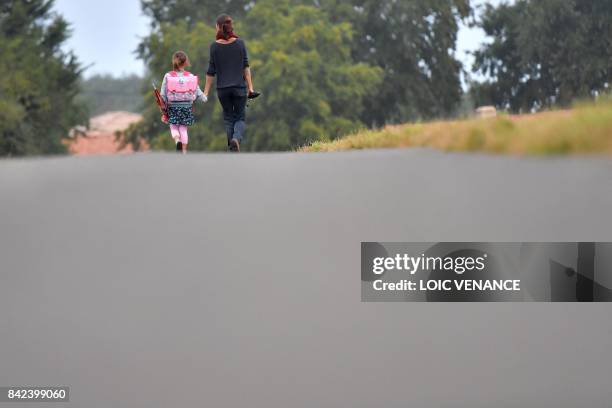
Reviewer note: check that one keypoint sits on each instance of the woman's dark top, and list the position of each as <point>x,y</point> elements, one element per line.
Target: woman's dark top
<point>228,62</point>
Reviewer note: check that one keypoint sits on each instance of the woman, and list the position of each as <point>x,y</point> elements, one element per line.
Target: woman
<point>230,63</point>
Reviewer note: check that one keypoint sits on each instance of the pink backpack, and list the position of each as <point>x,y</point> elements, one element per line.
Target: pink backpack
<point>181,88</point>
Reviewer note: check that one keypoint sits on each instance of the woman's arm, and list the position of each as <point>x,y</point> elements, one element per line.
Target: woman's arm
<point>247,70</point>
<point>212,71</point>
<point>209,81</point>
<point>249,79</point>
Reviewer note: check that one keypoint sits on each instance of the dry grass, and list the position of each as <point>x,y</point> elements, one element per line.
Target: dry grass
<point>586,129</point>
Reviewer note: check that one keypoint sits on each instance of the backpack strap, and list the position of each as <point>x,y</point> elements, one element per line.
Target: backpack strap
<point>175,74</point>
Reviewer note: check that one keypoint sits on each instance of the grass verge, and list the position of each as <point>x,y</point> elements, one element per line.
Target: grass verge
<point>585,129</point>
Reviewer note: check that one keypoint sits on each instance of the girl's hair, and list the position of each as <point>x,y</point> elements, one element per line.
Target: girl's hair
<point>179,60</point>
<point>225,26</point>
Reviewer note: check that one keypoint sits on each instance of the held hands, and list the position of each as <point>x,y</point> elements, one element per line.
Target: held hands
<point>204,98</point>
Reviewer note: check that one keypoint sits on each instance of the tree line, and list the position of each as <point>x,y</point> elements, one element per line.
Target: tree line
<point>103,93</point>
<point>544,53</point>
<point>326,67</point>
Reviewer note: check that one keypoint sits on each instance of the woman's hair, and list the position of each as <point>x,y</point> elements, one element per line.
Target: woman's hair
<point>180,60</point>
<point>225,27</point>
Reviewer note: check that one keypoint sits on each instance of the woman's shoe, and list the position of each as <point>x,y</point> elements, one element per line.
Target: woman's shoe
<point>234,146</point>
<point>254,94</point>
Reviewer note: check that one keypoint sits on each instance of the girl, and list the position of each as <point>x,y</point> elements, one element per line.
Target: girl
<point>179,90</point>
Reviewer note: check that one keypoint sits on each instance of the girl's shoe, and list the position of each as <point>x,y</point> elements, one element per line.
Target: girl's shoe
<point>179,147</point>
<point>254,94</point>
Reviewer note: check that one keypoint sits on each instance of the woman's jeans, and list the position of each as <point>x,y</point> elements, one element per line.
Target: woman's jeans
<point>233,101</point>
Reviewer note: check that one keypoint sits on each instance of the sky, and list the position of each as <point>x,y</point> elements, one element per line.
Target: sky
<point>106,33</point>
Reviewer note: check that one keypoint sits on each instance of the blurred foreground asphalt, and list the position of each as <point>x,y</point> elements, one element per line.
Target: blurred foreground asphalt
<point>234,281</point>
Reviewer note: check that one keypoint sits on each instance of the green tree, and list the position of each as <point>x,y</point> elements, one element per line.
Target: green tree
<point>544,53</point>
<point>103,93</point>
<point>38,81</point>
<point>303,63</point>
<point>313,90</point>
<point>156,50</point>
<point>414,42</point>
<point>192,12</point>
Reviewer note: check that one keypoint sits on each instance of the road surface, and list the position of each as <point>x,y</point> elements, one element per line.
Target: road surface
<point>233,280</point>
